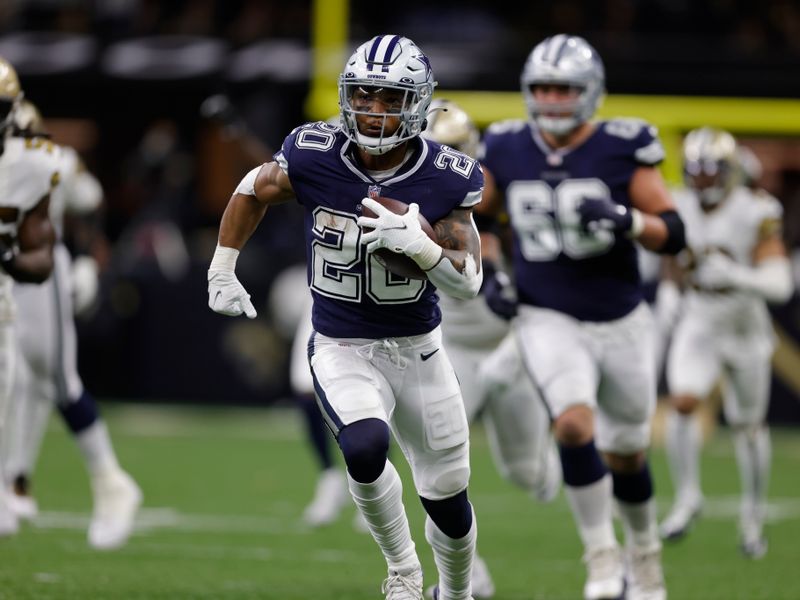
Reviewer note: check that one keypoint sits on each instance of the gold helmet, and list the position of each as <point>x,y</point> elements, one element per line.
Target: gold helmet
<point>28,120</point>
<point>710,164</point>
<point>10,94</point>
<point>449,124</point>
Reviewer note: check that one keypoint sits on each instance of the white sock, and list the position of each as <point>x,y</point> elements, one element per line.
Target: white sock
<point>95,445</point>
<point>591,508</point>
<point>453,558</point>
<point>381,503</point>
<point>683,441</point>
<point>753,455</point>
<point>25,436</point>
<point>639,523</point>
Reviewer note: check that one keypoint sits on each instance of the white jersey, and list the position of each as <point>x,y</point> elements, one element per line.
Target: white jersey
<point>734,228</point>
<point>29,168</point>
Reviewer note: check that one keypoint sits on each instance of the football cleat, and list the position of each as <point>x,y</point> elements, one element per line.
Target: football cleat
<point>605,579</point>
<point>20,500</point>
<point>330,496</point>
<point>680,519</point>
<point>9,524</point>
<point>406,586</point>
<point>645,577</point>
<point>753,543</point>
<point>116,500</point>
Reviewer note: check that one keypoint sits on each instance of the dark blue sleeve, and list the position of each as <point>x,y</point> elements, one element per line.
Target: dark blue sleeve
<point>637,139</point>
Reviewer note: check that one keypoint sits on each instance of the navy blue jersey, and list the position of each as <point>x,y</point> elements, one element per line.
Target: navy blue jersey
<point>557,264</point>
<point>354,296</point>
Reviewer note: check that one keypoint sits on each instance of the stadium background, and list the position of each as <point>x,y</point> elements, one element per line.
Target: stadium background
<point>123,81</point>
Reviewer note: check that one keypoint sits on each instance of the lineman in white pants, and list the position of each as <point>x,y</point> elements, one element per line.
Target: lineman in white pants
<point>735,263</point>
<point>495,386</point>
<point>47,373</point>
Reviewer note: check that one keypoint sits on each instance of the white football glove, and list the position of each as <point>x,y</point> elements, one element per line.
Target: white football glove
<point>85,283</point>
<point>227,296</point>
<point>717,272</point>
<point>399,233</point>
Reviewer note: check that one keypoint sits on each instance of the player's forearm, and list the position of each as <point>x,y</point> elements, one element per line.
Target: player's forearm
<point>457,274</point>
<point>662,233</point>
<point>241,217</point>
<point>770,279</point>
<point>32,266</point>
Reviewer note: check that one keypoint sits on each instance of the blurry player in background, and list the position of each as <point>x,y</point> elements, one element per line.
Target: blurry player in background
<point>494,383</point>
<point>734,264</point>
<point>28,174</point>
<point>376,353</point>
<point>578,194</point>
<point>47,372</point>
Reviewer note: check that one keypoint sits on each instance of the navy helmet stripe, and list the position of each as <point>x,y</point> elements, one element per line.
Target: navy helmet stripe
<point>387,56</point>
<point>554,48</point>
<point>560,52</point>
<point>373,51</point>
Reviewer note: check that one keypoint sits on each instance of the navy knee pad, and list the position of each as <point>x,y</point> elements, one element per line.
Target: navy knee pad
<point>582,465</point>
<point>453,516</point>
<point>81,414</point>
<point>633,488</point>
<point>365,447</point>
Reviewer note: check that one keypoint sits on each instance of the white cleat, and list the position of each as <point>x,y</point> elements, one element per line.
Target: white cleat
<point>549,479</point>
<point>605,579</point>
<point>116,500</point>
<point>753,544</point>
<point>22,505</point>
<point>482,584</point>
<point>406,586</point>
<point>646,579</point>
<point>9,524</point>
<point>679,520</point>
<point>330,496</point>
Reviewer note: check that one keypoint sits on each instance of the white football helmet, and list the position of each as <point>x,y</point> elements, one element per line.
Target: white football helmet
<point>710,165</point>
<point>386,64</point>
<point>564,60</point>
<point>449,124</point>
<point>10,95</point>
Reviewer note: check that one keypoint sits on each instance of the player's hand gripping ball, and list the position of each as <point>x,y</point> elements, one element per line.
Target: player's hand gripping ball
<point>393,259</point>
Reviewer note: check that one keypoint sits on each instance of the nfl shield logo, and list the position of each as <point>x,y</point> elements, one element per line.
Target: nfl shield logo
<point>374,191</point>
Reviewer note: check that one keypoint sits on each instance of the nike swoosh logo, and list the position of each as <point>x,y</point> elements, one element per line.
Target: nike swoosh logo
<point>427,356</point>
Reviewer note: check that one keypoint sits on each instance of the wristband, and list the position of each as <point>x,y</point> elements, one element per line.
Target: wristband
<point>224,259</point>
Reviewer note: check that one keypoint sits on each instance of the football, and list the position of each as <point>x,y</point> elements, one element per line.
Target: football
<point>397,263</point>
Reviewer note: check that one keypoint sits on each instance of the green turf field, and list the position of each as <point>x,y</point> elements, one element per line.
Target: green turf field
<point>224,490</point>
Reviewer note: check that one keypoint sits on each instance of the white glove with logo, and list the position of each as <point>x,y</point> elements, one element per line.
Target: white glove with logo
<point>399,233</point>
<point>225,294</point>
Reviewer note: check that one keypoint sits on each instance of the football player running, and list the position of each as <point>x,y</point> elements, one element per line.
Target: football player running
<point>494,383</point>
<point>735,263</point>
<point>47,372</point>
<point>376,353</point>
<point>579,193</point>
<point>28,173</point>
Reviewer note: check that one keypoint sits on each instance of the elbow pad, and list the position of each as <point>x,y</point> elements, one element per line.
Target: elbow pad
<point>453,283</point>
<point>676,234</point>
